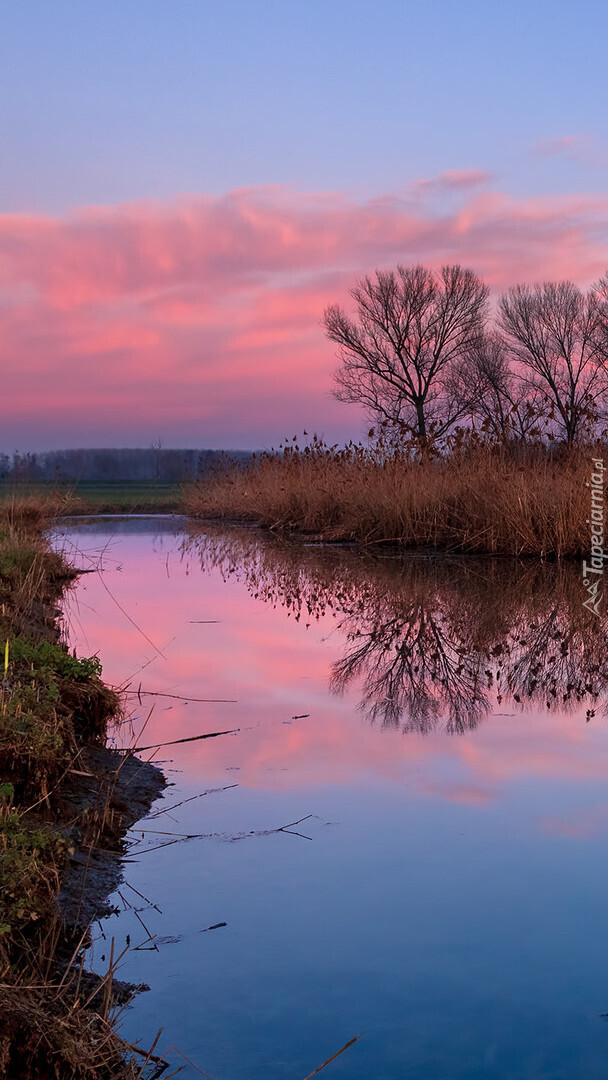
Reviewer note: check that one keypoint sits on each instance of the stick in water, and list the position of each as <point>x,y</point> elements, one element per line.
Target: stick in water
<point>332,1058</point>
<point>191,738</point>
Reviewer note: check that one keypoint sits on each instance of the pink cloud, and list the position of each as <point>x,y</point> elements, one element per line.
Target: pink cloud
<point>579,148</point>
<point>454,180</point>
<point>202,317</point>
<point>573,147</point>
<point>558,145</point>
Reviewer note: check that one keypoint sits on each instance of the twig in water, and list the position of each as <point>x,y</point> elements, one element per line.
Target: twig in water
<point>288,828</point>
<point>216,926</point>
<point>168,843</point>
<point>332,1058</point>
<point>191,738</point>
<point>180,697</point>
<point>181,1054</point>
<point>108,977</point>
<point>141,895</point>
<point>150,1057</point>
<point>211,791</point>
<point>147,1054</point>
<point>127,905</point>
<point>132,621</point>
<point>150,936</point>
<point>135,747</point>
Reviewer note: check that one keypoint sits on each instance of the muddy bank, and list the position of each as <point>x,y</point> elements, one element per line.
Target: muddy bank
<point>122,788</point>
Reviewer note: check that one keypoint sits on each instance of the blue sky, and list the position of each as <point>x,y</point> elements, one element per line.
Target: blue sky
<point>113,102</point>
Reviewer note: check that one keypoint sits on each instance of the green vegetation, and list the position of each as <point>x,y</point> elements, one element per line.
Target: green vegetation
<point>32,859</point>
<point>97,497</point>
<point>49,703</point>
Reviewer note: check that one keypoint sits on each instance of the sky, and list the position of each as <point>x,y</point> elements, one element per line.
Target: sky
<point>185,186</point>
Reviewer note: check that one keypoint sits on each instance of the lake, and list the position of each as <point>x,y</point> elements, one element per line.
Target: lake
<point>436,728</point>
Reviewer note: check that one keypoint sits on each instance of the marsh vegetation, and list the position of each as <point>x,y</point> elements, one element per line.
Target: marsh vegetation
<point>58,805</point>
<point>474,499</point>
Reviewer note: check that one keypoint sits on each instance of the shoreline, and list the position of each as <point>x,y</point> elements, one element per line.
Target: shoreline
<point>393,548</point>
<point>66,803</point>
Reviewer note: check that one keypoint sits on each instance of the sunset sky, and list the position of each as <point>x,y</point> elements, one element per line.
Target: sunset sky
<point>185,186</point>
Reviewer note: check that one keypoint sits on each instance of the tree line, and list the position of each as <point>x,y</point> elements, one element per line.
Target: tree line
<point>425,355</point>
<point>147,464</point>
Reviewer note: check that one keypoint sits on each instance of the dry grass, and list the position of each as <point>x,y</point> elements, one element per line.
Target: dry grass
<point>482,500</point>
<point>32,509</point>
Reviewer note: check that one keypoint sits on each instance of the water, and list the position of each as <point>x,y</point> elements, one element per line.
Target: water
<point>442,723</point>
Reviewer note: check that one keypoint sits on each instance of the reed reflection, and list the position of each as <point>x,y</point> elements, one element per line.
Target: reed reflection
<point>432,643</point>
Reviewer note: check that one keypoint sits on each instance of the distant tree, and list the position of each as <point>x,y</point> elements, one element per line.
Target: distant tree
<point>404,355</point>
<point>557,336</point>
<point>157,447</point>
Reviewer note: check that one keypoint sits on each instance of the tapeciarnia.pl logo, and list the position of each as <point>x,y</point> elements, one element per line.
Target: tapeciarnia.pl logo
<point>593,571</point>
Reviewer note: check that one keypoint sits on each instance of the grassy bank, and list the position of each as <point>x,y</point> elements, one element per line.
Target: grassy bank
<point>483,501</point>
<point>102,497</point>
<point>57,806</point>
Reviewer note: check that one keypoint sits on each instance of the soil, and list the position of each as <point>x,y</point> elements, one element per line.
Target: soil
<point>126,787</point>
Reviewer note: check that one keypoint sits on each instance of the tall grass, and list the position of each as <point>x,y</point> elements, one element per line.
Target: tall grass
<point>479,499</point>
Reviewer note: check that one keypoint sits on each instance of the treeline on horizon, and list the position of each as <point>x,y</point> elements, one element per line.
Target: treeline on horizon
<point>85,465</point>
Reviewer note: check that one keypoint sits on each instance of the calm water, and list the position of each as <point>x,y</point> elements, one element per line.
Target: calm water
<point>443,725</point>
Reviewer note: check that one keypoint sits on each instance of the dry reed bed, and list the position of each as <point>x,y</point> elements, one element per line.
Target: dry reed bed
<point>481,502</point>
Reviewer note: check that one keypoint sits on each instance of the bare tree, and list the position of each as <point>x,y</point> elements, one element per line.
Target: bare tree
<point>556,334</point>
<point>403,354</point>
<point>509,409</point>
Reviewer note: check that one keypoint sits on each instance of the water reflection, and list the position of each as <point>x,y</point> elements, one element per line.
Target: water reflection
<point>431,642</point>
<point>504,828</point>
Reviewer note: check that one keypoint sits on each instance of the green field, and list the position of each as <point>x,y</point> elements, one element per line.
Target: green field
<point>100,497</point>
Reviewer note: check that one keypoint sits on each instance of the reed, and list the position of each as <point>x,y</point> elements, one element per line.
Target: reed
<point>478,499</point>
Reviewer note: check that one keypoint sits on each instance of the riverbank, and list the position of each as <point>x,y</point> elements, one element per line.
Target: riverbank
<point>65,806</point>
<point>483,502</point>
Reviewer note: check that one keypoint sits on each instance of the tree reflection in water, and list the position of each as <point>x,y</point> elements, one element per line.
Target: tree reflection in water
<point>431,640</point>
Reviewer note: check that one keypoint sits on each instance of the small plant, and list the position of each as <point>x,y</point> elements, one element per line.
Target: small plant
<point>7,794</point>
<point>49,657</point>
<point>29,868</point>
